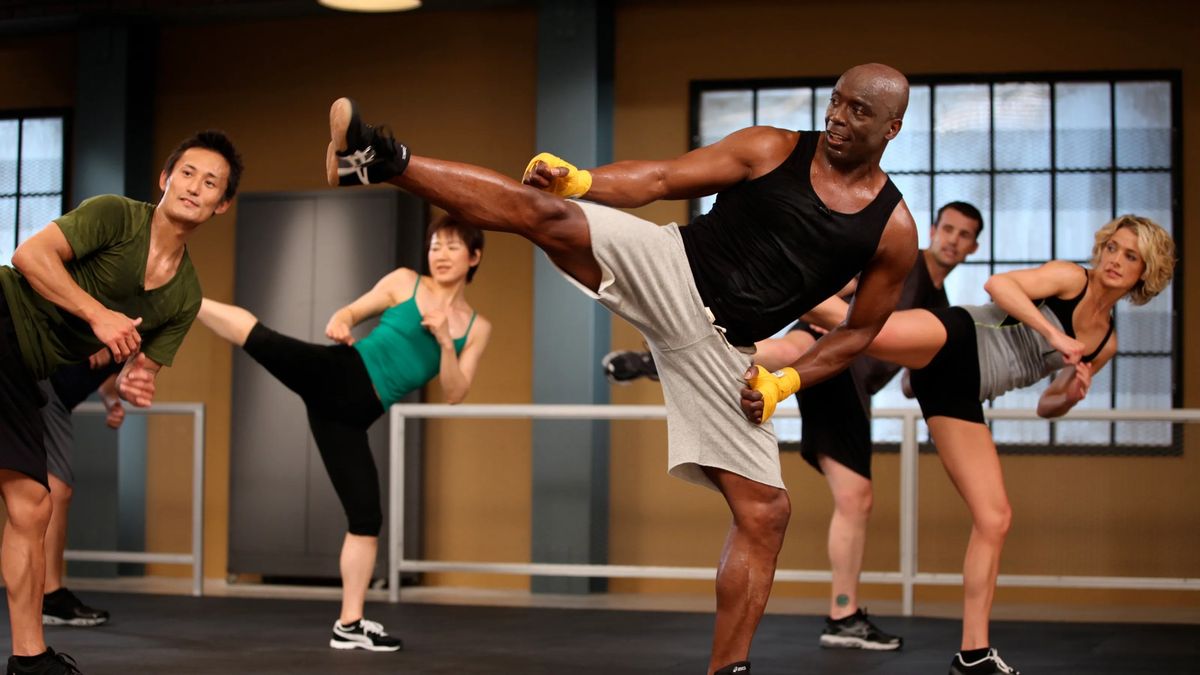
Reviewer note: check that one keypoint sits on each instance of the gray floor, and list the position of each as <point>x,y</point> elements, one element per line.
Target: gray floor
<point>172,634</point>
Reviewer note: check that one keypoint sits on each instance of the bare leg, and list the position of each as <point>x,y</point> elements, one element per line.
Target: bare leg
<point>23,558</point>
<point>775,353</point>
<point>56,533</point>
<point>852,502</point>
<point>969,455</point>
<point>747,568</point>
<point>357,562</point>
<point>491,201</point>
<point>910,338</point>
<point>228,321</point>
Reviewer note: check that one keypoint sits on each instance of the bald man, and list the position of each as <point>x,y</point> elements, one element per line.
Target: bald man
<point>797,215</point>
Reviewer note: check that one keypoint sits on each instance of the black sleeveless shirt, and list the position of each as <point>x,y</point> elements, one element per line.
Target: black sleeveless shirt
<point>769,250</point>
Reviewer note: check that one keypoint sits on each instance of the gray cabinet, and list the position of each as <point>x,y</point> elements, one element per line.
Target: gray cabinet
<point>300,256</point>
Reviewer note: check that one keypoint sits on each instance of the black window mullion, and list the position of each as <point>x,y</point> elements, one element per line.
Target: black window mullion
<point>1112,165</point>
<point>17,203</point>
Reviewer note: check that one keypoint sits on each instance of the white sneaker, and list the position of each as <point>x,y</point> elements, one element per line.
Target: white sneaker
<point>363,634</point>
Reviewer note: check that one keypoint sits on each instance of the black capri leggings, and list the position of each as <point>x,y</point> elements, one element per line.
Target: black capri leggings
<point>341,405</point>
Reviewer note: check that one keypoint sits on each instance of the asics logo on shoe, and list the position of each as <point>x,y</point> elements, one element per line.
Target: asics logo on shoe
<point>356,163</point>
<point>740,669</point>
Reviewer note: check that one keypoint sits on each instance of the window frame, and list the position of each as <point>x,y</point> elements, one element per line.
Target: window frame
<point>20,115</point>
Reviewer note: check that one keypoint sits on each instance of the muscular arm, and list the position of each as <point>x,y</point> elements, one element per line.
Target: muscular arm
<point>878,292</point>
<point>42,260</point>
<point>740,156</point>
<point>1015,291</point>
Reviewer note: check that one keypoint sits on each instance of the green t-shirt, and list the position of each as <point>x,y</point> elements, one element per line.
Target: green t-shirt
<point>110,236</point>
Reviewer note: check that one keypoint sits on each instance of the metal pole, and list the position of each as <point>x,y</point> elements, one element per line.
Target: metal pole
<point>909,465</point>
<point>396,456</point>
<point>198,500</point>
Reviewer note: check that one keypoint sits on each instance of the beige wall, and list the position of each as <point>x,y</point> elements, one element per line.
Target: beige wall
<point>462,86</point>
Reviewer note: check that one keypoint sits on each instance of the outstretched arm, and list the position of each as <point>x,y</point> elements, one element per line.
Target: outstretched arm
<point>740,156</point>
<point>1015,292</point>
<point>372,303</point>
<point>42,260</point>
<point>1072,383</point>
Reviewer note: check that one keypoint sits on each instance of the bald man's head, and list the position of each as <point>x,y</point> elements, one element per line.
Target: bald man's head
<point>883,85</point>
<point>866,111</point>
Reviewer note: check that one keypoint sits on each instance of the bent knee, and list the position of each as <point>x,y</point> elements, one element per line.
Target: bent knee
<point>768,515</point>
<point>29,512</point>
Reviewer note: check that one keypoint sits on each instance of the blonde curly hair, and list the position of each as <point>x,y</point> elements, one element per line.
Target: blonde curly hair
<point>1156,247</point>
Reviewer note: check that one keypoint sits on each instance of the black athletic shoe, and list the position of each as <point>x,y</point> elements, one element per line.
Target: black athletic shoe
<point>857,632</point>
<point>62,608</point>
<point>363,634</point>
<point>989,665</point>
<point>48,663</point>
<point>739,668</point>
<point>625,367</point>
<point>368,154</point>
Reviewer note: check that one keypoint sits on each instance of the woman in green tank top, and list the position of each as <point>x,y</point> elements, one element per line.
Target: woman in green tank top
<point>426,330</point>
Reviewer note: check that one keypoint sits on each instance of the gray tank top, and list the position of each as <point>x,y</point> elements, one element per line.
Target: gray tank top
<point>1011,355</point>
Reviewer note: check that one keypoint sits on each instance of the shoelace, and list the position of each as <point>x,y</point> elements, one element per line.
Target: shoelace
<point>995,655</point>
<point>373,627</point>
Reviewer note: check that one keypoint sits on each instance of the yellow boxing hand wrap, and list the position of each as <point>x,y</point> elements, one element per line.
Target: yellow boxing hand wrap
<point>575,184</point>
<point>775,387</point>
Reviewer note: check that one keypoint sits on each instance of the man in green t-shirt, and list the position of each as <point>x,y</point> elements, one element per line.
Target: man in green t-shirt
<point>112,274</point>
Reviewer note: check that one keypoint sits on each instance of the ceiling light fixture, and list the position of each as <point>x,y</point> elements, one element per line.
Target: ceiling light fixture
<point>371,5</point>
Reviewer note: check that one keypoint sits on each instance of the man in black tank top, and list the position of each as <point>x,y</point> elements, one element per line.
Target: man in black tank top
<point>797,216</point>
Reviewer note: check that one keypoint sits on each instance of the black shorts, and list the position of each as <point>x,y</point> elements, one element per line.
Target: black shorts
<point>837,421</point>
<point>949,385</point>
<point>22,432</point>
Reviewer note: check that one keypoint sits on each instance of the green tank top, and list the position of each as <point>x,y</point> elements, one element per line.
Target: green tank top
<point>400,355</point>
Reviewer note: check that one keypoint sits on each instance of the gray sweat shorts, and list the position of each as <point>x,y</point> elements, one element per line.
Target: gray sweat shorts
<point>60,435</point>
<point>647,281</point>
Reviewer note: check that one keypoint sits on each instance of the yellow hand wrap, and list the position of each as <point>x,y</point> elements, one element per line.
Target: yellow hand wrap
<point>575,184</point>
<point>775,387</point>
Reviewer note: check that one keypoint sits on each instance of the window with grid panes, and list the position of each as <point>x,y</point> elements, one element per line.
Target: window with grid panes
<point>31,176</point>
<point>1048,160</point>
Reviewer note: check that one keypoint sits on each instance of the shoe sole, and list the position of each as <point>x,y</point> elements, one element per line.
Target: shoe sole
<point>347,645</point>
<point>340,114</point>
<point>836,642</point>
<point>48,620</point>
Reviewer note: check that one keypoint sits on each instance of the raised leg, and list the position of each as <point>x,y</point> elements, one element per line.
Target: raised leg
<point>486,199</point>
<point>230,322</point>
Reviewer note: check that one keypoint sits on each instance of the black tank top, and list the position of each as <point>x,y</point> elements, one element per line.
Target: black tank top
<point>769,250</point>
